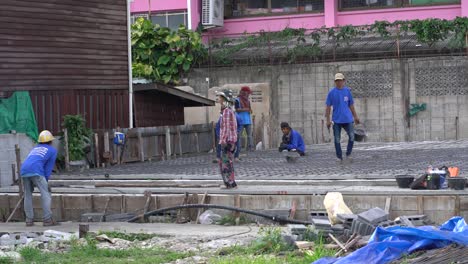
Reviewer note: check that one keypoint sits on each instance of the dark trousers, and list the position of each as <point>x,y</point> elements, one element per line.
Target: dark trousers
<point>349,128</point>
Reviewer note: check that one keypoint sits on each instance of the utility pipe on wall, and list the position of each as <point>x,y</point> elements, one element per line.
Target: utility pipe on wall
<point>189,14</point>
<point>130,83</point>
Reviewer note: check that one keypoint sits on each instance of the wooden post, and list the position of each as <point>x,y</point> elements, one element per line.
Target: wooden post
<point>118,150</point>
<point>83,230</point>
<point>213,135</point>
<point>197,142</point>
<point>67,154</point>
<point>18,169</point>
<point>13,174</point>
<point>197,221</point>
<point>141,150</point>
<point>168,142</point>
<point>237,203</point>
<point>106,148</point>
<point>179,140</point>
<point>96,149</point>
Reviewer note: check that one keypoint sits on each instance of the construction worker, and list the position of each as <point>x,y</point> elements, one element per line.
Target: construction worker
<point>244,111</point>
<point>36,171</point>
<point>292,141</point>
<point>344,115</point>
<point>227,138</point>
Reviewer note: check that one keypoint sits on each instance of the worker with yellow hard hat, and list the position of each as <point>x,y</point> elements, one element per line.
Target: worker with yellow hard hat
<point>35,171</point>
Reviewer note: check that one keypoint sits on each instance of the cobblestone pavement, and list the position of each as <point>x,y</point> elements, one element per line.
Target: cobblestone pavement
<point>370,160</point>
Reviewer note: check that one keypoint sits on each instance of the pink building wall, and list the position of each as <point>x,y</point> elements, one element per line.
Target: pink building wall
<point>364,17</point>
<point>256,24</point>
<point>330,18</point>
<point>142,6</point>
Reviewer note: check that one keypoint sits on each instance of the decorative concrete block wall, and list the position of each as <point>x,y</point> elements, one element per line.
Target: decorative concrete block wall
<point>383,90</point>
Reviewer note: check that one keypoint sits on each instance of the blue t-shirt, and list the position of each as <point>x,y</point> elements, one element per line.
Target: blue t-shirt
<point>341,100</point>
<point>244,116</point>
<point>296,141</point>
<point>39,162</point>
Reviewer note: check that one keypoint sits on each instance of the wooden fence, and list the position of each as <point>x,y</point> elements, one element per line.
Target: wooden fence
<point>152,143</point>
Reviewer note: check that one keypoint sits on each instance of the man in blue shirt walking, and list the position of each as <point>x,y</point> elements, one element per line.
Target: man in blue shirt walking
<point>35,171</point>
<point>292,140</point>
<point>344,115</point>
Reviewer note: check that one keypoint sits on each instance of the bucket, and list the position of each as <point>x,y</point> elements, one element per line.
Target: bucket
<point>119,138</point>
<point>457,183</point>
<point>359,133</point>
<point>404,181</point>
<point>433,182</point>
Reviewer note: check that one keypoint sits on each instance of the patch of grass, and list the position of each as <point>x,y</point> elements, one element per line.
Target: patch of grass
<point>5,260</point>
<point>91,254</point>
<point>129,237</point>
<point>271,248</point>
<point>270,241</point>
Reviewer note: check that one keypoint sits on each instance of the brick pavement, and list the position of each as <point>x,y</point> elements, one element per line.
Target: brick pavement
<point>371,160</point>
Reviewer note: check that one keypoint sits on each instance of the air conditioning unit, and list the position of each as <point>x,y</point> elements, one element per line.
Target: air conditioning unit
<point>213,13</point>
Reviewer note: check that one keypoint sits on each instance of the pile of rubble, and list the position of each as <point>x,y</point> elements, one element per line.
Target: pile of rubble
<point>353,228</point>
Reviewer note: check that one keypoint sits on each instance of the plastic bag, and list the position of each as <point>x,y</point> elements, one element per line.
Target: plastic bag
<point>335,205</point>
<point>208,218</point>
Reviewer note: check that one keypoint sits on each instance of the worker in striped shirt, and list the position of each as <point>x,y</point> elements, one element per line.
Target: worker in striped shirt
<point>227,138</point>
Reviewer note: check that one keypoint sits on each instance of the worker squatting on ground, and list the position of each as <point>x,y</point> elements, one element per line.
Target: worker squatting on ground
<point>36,171</point>
<point>244,111</point>
<point>292,140</point>
<point>227,138</point>
<point>344,115</point>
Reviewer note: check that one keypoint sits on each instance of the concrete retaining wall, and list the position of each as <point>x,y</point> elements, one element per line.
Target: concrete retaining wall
<point>8,156</point>
<point>383,89</point>
<point>69,207</point>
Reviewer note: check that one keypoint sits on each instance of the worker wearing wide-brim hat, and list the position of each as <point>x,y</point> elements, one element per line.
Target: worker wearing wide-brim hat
<point>35,172</point>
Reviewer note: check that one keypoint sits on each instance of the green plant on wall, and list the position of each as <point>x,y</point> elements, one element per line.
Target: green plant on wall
<point>160,54</point>
<point>78,136</point>
<point>429,31</point>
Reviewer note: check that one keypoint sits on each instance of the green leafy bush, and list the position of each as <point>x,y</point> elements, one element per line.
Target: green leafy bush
<point>160,54</point>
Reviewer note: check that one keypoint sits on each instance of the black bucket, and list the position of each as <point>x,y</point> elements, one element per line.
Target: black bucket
<point>359,134</point>
<point>457,183</point>
<point>404,181</point>
<point>433,182</point>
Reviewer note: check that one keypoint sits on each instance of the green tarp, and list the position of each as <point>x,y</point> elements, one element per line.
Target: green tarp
<point>16,113</point>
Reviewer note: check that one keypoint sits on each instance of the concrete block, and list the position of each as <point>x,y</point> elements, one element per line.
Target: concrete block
<point>297,229</point>
<point>373,216</point>
<point>318,214</point>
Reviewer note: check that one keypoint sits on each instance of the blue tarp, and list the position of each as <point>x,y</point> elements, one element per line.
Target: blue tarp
<point>386,245</point>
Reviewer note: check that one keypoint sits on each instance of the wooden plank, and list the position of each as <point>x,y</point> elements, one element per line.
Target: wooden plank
<point>96,148</point>
<point>66,149</point>
<point>179,141</point>
<point>168,142</point>
<point>64,50</point>
<point>237,203</point>
<point>66,5</point>
<point>203,200</point>
<point>388,202</point>
<point>141,150</point>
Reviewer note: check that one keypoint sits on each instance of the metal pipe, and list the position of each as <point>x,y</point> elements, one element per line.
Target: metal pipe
<point>189,14</point>
<point>130,83</point>
<point>236,209</point>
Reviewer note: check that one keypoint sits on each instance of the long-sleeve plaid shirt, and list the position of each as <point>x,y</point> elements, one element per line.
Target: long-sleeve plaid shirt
<point>228,133</point>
